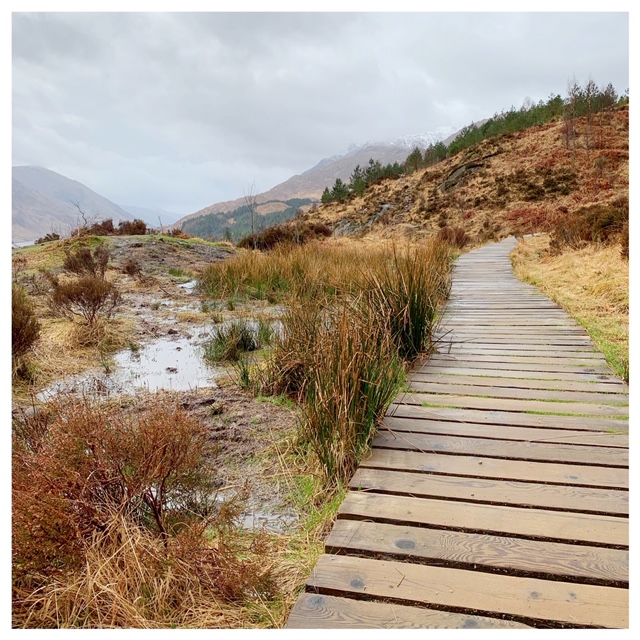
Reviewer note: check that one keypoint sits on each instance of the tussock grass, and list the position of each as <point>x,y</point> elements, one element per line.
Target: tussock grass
<point>319,268</point>
<point>591,284</point>
<point>231,341</point>
<point>342,351</point>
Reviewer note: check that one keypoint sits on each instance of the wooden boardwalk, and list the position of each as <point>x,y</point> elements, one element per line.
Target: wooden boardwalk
<point>496,493</point>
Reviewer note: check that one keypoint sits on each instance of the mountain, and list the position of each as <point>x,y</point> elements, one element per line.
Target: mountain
<point>312,182</point>
<point>44,201</point>
<point>153,217</point>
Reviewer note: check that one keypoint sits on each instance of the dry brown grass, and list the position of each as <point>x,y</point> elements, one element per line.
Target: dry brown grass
<point>68,348</point>
<point>591,284</point>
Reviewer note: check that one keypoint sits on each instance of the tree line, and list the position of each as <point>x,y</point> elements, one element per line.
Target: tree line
<point>580,101</point>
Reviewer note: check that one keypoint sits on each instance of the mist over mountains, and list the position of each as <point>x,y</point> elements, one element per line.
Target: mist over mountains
<point>311,183</point>
<point>45,201</point>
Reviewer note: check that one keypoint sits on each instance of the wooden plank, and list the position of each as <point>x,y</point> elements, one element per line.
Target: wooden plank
<point>439,362</point>
<point>544,360</point>
<point>477,467</point>
<point>560,332</point>
<point>492,519</point>
<point>508,418</point>
<point>501,404</point>
<point>488,491</point>
<point>506,372</point>
<point>467,350</point>
<point>550,601</point>
<point>618,389</point>
<point>452,445</point>
<point>476,551</point>
<point>458,335</point>
<point>316,611</point>
<point>498,432</point>
<point>513,348</point>
<point>437,385</point>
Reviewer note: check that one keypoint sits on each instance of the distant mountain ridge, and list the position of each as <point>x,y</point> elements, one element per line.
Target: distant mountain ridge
<point>312,182</point>
<point>43,202</point>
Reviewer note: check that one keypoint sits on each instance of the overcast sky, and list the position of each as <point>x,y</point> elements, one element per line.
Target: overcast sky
<point>179,111</point>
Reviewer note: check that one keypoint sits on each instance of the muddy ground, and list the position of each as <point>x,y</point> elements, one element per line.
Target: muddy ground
<point>164,314</point>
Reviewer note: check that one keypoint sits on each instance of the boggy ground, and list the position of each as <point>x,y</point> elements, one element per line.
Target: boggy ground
<point>160,306</point>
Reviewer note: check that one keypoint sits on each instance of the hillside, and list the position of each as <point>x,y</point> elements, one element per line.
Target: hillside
<point>43,202</point>
<point>310,183</point>
<point>512,183</point>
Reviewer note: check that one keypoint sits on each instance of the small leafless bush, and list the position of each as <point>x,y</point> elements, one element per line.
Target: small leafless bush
<point>25,328</point>
<point>88,297</point>
<point>296,233</point>
<point>49,237</point>
<point>82,261</point>
<point>454,236</point>
<point>132,228</point>
<point>131,267</point>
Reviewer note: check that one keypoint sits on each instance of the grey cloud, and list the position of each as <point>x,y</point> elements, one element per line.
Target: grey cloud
<point>190,108</point>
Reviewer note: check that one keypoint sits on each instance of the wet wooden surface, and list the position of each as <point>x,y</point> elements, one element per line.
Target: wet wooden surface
<point>496,491</point>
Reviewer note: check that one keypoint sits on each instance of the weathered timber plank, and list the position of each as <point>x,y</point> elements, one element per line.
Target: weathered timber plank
<point>534,367</point>
<point>477,467</point>
<point>550,601</point>
<point>570,362</point>
<point>556,354</point>
<point>458,335</point>
<point>497,432</point>
<point>437,385</point>
<point>451,445</point>
<point>491,519</point>
<point>316,611</point>
<point>508,418</point>
<point>507,372</point>
<point>502,404</point>
<point>504,492</point>
<point>476,551</point>
<point>619,390</point>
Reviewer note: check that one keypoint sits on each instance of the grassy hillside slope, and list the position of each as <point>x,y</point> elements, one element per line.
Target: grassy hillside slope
<point>510,184</point>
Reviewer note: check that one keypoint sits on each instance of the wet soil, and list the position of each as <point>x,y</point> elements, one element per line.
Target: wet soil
<point>169,325</point>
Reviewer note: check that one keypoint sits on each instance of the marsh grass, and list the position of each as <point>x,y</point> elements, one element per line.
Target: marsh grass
<point>341,352</point>
<point>230,342</point>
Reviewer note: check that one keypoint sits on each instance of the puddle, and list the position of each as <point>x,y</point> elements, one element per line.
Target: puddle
<point>190,286</point>
<point>172,364</point>
<point>273,522</point>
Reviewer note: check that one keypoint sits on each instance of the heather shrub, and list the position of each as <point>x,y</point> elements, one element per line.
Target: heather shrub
<point>454,236</point>
<point>25,328</point>
<point>297,233</point>
<point>96,460</point>
<point>131,267</point>
<point>83,262</point>
<point>115,523</point>
<point>132,228</point>
<point>596,223</point>
<point>49,237</point>
<point>88,297</point>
